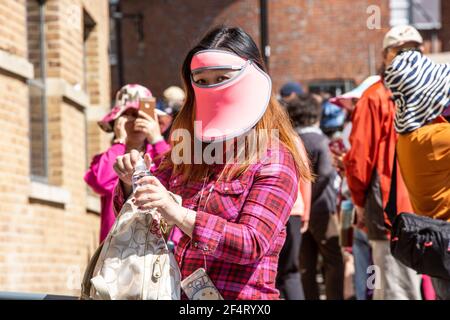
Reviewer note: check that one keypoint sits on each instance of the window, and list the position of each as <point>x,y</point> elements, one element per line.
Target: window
<point>90,68</point>
<point>422,14</point>
<point>333,87</point>
<point>88,46</point>
<point>37,90</point>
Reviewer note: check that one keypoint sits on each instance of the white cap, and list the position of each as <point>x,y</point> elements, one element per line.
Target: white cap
<point>140,165</point>
<point>400,34</point>
<point>174,93</point>
<point>344,100</point>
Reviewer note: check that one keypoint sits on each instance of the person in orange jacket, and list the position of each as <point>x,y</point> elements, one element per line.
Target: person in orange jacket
<point>368,167</point>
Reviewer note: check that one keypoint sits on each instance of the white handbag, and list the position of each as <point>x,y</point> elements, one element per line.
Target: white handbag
<point>133,262</point>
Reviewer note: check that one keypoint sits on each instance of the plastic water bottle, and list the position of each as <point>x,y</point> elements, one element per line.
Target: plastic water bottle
<point>140,171</point>
<point>347,217</point>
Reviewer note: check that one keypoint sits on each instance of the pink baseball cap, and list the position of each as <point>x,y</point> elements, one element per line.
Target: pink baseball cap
<point>126,98</point>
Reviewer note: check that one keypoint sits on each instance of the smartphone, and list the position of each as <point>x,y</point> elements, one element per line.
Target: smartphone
<point>198,286</point>
<point>148,106</point>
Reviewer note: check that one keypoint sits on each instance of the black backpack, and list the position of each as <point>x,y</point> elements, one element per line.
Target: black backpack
<point>421,243</point>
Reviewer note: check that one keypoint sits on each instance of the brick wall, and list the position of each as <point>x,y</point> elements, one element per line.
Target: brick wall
<point>13,27</point>
<point>318,39</point>
<point>45,240</point>
<point>64,40</point>
<point>312,40</point>
<point>14,147</point>
<point>98,75</point>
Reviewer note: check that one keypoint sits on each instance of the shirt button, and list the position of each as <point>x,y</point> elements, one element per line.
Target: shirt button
<point>196,244</point>
<point>226,188</point>
<point>205,248</point>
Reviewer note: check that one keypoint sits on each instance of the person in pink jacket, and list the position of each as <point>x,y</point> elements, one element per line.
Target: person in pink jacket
<point>133,129</point>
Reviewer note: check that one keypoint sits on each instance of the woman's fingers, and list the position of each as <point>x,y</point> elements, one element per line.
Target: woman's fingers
<point>151,180</point>
<point>125,165</point>
<point>118,168</point>
<point>146,198</point>
<point>150,205</point>
<point>121,172</point>
<point>128,166</point>
<point>145,116</point>
<point>148,160</point>
<point>141,128</point>
<point>134,157</point>
<point>142,121</point>
<point>146,189</point>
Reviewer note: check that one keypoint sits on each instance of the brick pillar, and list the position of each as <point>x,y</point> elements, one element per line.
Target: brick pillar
<point>14,143</point>
<point>47,231</point>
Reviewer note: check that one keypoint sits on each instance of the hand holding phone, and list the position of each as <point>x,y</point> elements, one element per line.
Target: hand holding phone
<point>337,146</point>
<point>148,106</point>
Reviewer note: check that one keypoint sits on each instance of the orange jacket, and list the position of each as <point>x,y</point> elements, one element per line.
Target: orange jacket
<point>370,158</point>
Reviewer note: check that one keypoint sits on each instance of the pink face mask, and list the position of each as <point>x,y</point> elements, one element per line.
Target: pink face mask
<point>233,107</point>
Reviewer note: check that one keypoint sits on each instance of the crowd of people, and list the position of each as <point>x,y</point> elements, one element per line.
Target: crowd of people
<point>269,223</point>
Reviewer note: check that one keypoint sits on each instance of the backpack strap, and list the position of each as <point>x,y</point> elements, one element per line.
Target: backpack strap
<point>391,206</point>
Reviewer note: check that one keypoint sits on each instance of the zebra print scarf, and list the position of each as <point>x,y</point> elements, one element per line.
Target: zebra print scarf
<point>420,88</point>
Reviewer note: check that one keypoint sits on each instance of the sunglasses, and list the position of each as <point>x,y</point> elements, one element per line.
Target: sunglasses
<point>407,50</point>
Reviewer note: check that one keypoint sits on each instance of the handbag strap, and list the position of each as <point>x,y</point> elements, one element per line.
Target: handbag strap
<point>101,287</point>
<point>391,206</point>
<point>86,284</point>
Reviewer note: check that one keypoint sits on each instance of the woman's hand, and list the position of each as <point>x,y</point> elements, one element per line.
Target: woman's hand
<point>124,165</point>
<point>305,226</point>
<point>360,217</point>
<point>338,162</point>
<point>149,126</point>
<point>152,194</point>
<point>119,129</point>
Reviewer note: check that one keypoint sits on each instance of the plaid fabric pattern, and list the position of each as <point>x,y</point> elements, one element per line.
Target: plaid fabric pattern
<point>240,225</point>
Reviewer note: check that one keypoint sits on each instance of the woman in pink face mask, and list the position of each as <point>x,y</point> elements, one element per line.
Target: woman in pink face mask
<point>233,214</point>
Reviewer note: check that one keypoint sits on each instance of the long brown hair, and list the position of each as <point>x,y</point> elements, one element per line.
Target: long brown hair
<point>239,42</point>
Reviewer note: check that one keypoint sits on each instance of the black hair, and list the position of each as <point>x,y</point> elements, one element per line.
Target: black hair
<point>233,39</point>
<point>304,110</point>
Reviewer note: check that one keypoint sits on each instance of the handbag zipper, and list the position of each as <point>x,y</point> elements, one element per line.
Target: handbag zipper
<point>157,272</point>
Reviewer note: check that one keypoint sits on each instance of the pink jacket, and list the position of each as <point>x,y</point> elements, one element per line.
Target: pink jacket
<point>102,179</point>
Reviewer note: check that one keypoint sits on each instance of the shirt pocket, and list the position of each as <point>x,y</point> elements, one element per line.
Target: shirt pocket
<point>228,199</point>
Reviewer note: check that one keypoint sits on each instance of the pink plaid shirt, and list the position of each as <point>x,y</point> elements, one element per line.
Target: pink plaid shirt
<point>240,225</point>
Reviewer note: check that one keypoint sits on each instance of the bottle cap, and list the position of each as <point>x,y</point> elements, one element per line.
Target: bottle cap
<point>140,165</point>
<point>347,205</point>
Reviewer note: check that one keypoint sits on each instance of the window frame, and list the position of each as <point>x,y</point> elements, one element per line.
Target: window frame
<point>41,84</point>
